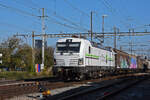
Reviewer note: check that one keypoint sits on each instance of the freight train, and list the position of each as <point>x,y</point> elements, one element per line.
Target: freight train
<point>77,58</point>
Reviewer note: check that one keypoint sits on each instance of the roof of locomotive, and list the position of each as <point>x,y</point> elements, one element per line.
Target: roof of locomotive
<point>93,44</point>
<point>73,40</point>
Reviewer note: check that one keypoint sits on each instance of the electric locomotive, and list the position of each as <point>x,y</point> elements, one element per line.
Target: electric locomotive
<point>77,58</point>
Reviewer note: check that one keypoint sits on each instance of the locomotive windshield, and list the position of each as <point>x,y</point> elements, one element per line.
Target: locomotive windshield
<point>68,47</point>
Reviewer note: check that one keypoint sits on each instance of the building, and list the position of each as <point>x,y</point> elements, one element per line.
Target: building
<point>38,44</point>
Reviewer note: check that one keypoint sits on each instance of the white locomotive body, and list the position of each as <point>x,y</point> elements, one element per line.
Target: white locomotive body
<point>78,58</point>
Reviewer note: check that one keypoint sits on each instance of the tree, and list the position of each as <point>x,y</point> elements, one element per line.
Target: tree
<point>17,54</point>
<point>23,57</point>
<point>48,56</point>
<point>8,49</point>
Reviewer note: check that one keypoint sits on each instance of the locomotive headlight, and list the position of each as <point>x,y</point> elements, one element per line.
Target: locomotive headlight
<point>80,61</point>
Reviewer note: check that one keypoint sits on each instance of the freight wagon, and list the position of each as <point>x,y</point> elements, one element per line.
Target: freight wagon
<point>126,63</point>
<point>77,58</point>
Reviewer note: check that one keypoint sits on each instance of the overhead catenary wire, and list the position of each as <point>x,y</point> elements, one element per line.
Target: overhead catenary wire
<point>24,13</point>
<point>29,6</point>
<point>17,10</point>
<point>119,12</point>
<point>62,18</point>
<point>112,10</point>
<point>76,8</point>
<point>63,24</point>
<point>107,6</point>
<point>33,3</point>
<point>33,15</point>
<point>68,21</point>
<point>21,11</point>
<point>124,10</point>
<point>15,26</point>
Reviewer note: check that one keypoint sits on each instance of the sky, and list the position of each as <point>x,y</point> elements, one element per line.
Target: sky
<point>22,16</point>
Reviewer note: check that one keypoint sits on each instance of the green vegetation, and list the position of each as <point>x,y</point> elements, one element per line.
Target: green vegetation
<point>17,56</point>
<point>13,75</point>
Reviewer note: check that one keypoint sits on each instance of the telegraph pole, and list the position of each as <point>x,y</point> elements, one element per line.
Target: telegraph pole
<point>131,41</point>
<point>43,37</point>
<point>115,42</point>
<point>91,26</point>
<point>115,38</point>
<point>33,52</point>
<point>103,26</point>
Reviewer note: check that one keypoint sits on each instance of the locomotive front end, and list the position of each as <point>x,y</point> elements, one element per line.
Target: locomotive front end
<point>68,58</point>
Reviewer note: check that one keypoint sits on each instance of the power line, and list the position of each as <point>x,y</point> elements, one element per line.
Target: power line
<point>109,6</point>
<point>119,12</point>
<point>112,10</point>
<point>33,3</point>
<point>30,14</point>
<point>17,10</point>
<point>69,21</point>
<point>28,6</point>
<point>20,11</point>
<point>63,24</point>
<point>75,8</point>
<point>14,26</point>
<point>63,18</point>
<point>106,5</point>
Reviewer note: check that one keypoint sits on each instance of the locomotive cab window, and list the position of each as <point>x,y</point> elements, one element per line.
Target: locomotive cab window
<point>67,47</point>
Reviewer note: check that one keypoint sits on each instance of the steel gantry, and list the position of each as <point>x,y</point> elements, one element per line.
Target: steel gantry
<point>95,35</point>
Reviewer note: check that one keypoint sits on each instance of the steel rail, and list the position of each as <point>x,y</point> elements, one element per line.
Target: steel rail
<point>79,94</point>
<point>131,81</point>
<point>117,91</point>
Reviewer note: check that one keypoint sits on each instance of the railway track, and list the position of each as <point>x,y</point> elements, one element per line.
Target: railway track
<point>104,92</point>
<point>9,81</point>
<point>10,90</point>
<point>125,86</point>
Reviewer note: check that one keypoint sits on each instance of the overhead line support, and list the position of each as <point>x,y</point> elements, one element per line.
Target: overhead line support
<point>43,36</point>
<point>91,26</point>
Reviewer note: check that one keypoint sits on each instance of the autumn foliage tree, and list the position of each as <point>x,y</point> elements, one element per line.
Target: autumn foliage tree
<point>8,49</point>
<point>18,55</point>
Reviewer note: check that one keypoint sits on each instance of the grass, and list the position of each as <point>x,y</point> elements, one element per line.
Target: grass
<point>16,75</point>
